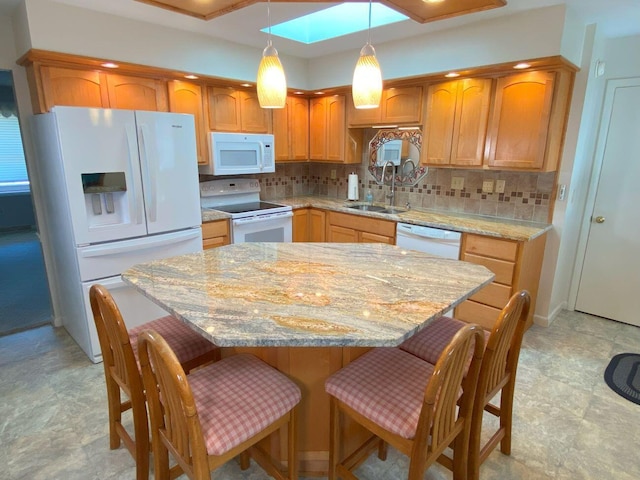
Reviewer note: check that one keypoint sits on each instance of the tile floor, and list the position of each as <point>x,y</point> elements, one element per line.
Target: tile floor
<point>568,424</point>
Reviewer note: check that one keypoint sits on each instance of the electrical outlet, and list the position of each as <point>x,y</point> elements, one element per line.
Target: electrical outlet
<point>333,174</point>
<point>487,186</point>
<point>457,183</point>
<point>500,186</point>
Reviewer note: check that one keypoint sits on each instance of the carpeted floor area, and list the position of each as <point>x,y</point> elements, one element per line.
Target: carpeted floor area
<point>24,292</point>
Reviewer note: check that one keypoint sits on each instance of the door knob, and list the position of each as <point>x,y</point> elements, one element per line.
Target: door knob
<point>599,219</point>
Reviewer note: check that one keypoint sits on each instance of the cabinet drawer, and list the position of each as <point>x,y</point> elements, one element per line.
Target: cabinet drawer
<point>491,247</point>
<point>214,242</point>
<point>472,312</point>
<point>503,270</point>
<point>218,228</point>
<point>494,294</point>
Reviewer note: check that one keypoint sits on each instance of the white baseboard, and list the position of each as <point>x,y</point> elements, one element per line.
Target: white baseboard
<point>545,321</point>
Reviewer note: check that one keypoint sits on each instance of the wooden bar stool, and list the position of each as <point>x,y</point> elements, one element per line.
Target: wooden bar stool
<point>408,403</point>
<point>218,412</point>
<point>497,373</point>
<point>122,373</point>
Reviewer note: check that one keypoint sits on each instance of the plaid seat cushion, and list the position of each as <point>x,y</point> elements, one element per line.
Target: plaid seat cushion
<point>386,385</point>
<point>186,343</point>
<point>237,397</point>
<point>429,342</point>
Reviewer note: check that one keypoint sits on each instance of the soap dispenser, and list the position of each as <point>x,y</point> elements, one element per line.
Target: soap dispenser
<point>369,197</point>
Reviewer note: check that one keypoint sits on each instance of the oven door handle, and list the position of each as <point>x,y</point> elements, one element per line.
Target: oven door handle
<point>262,218</point>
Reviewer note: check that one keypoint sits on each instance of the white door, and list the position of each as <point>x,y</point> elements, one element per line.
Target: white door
<point>99,153</point>
<point>169,166</point>
<point>610,281</point>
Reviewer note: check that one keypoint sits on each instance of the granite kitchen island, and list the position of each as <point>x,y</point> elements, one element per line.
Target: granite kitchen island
<point>308,309</point>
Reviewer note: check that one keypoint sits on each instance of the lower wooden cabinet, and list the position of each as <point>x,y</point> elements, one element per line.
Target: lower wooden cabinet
<point>215,234</point>
<point>346,228</point>
<point>516,265</point>
<point>309,225</point>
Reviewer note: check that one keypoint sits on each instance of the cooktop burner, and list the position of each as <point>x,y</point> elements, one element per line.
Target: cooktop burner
<point>246,207</point>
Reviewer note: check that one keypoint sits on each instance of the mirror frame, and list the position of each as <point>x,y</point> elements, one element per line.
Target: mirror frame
<point>403,178</point>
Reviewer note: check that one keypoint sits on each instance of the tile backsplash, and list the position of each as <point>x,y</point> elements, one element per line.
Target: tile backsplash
<point>527,196</point>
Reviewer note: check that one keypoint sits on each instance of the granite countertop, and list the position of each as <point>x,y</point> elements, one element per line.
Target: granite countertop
<point>307,294</point>
<point>482,225</point>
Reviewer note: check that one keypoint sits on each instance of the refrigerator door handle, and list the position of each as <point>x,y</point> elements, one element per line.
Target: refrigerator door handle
<point>148,172</point>
<point>135,208</point>
<point>128,246</point>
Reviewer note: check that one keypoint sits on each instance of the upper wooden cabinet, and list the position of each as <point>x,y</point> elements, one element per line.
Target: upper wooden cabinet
<point>455,123</point>
<point>232,110</point>
<point>186,97</point>
<point>291,130</point>
<point>398,105</point>
<point>137,93</point>
<point>69,87</point>
<point>87,88</point>
<point>328,128</point>
<point>527,126</point>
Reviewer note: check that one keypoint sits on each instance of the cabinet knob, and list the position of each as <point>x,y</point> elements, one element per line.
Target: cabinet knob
<point>600,219</point>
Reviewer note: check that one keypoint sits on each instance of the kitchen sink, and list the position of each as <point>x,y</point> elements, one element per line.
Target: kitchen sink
<point>377,208</point>
<point>368,208</point>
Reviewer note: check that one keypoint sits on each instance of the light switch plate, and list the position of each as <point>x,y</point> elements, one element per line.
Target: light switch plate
<point>333,174</point>
<point>457,183</point>
<point>500,186</point>
<point>487,186</point>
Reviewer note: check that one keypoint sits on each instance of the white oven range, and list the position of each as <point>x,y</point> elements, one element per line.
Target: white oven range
<point>252,220</point>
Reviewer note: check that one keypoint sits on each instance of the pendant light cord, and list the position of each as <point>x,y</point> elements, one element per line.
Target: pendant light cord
<point>369,39</point>
<point>269,19</point>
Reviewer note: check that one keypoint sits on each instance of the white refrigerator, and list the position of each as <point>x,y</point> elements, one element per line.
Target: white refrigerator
<point>111,188</point>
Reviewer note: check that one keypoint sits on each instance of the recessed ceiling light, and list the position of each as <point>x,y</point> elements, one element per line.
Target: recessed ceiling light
<point>433,1</point>
<point>452,75</point>
<point>319,93</point>
<point>191,77</point>
<point>109,65</point>
<point>299,93</point>
<point>245,85</point>
<point>521,66</point>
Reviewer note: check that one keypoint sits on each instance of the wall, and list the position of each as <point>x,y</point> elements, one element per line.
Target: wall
<point>16,211</point>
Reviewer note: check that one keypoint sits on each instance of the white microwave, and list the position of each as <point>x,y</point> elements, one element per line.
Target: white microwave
<point>240,153</point>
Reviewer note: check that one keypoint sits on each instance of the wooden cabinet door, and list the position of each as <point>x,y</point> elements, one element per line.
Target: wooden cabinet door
<point>300,225</point>
<point>215,234</point>
<point>76,88</point>
<point>362,116</point>
<point>186,97</point>
<point>338,234</point>
<point>402,105</point>
<point>253,118</point>
<point>470,124</point>
<point>368,237</point>
<point>281,132</point>
<point>456,122</point>
<point>137,93</point>
<point>318,129</point>
<point>317,225</point>
<point>299,128</point>
<point>336,128</point>
<point>520,122</point>
<point>439,118</point>
<point>224,109</point>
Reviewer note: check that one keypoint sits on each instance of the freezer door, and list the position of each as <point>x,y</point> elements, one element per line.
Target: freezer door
<point>135,308</point>
<point>169,165</point>
<point>109,259</point>
<point>99,152</point>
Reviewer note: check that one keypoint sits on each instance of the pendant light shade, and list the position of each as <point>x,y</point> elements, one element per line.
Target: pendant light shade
<point>366,88</point>
<point>271,82</point>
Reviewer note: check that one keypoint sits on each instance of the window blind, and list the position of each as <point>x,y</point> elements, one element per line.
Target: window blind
<point>13,169</point>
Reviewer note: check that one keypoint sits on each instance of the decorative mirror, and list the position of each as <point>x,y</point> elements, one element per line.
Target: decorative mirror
<point>399,152</point>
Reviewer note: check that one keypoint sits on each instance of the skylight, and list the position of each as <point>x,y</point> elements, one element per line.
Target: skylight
<point>335,22</point>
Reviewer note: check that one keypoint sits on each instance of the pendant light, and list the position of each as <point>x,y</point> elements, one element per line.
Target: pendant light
<point>366,88</point>
<point>271,83</point>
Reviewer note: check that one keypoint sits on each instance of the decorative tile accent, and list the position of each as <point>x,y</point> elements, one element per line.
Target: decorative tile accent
<point>527,195</point>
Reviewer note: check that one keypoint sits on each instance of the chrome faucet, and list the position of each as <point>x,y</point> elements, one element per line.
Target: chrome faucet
<point>392,194</point>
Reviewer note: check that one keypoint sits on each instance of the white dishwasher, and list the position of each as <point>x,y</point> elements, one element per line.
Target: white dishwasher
<point>435,241</point>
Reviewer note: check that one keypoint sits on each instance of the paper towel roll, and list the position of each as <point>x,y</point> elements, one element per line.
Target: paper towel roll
<point>352,187</point>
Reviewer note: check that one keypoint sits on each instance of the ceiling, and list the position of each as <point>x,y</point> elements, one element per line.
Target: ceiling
<point>614,18</point>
